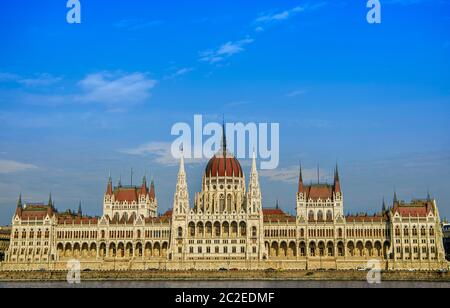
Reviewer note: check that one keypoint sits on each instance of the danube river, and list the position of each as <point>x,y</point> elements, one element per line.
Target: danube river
<point>226,284</point>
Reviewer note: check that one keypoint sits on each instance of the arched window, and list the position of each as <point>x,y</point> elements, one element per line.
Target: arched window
<point>329,216</point>
<point>431,231</point>
<point>254,232</point>
<point>311,216</point>
<point>192,229</point>
<point>320,216</point>
<point>180,232</point>
<point>406,231</point>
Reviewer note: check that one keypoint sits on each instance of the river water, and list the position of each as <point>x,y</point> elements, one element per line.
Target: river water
<point>226,284</point>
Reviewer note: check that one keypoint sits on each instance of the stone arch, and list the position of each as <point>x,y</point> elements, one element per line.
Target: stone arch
<point>330,249</point>
<point>312,249</point>
<point>234,229</point>
<point>292,250</point>
<point>85,250</point>
<point>120,250</point>
<point>68,250</point>
<point>191,228</point>
<point>157,249</point>
<point>102,250</point>
<point>164,249</point>
<point>329,215</point>
<point>129,250</point>
<point>76,250</point>
<point>340,249</point>
<point>303,250</point>
<point>360,248</point>
<point>148,250</point>
<point>274,251</point>
<point>217,229</point>
<point>200,229</point>
<point>60,250</point>
<point>321,248</point>
<point>369,248</point>
<point>386,249</point>
<point>319,215</point>
<point>139,250</point>
<point>112,250</point>
<point>242,229</point>
<point>378,249</point>
<point>283,249</point>
<point>226,229</point>
<point>208,229</point>
<point>351,248</point>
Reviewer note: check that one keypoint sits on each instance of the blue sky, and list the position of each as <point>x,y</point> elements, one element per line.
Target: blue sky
<point>78,101</point>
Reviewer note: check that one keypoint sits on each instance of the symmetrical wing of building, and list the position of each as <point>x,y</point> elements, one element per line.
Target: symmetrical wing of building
<point>227,227</point>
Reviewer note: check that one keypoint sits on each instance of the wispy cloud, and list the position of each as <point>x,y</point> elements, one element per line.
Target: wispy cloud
<point>116,89</point>
<point>161,152</point>
<point>281,16</point>
<point>291,175</point>
<point>10,166</point>
<point>296,93</point>
<point>136,24</point>
<point>180,72</point>
<point>39,80</point>
<point>225,51</point>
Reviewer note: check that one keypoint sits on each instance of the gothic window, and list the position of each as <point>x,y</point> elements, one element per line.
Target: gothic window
<point>320,216</point>
<point>311,216</point>
<point>254,232</point>
<point>329,216</point>
<point>431,231</point>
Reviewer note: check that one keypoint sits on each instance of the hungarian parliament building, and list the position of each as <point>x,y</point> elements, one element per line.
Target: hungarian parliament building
<point>227,228</point>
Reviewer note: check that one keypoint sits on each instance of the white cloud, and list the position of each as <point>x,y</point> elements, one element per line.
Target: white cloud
<point>291,175</point>
<point>136,24</point>
<point>39,80</point>
<point>10,166</point>
<point>225,51</point>
<point>113,89</point>
<point>280,15</point>
<point>161,152</point>
<point>267,18</point>
<point>180,72</point>
<point>296,93</point>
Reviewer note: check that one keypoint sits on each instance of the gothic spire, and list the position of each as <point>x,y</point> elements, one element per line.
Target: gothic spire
<point>19,202</point>
<point>80,211</point>
<point>337,182</point>
<point>300,180</point>
<point>50,201</point>
<point>109,187</point>
<point>384,208</point>
<point>224,138</point>
<point>152,190</point>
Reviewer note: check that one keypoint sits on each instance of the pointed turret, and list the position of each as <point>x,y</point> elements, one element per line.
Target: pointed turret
<point>80,210</point>
<point>19,207</point>
<point>300,181</point>
<point>181,199</point>
<point>254,202</point>
<point>384,208</point>
<point>224,139</point>
<point>337,182</point>
<point>144,189</point>
<point>50,201</point>
<point>395,197</point>
<point>152,191</point>
<point>109,188</point>
<point>19,202</point>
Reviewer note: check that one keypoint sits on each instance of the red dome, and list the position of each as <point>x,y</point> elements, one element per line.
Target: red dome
<point>224,166</point>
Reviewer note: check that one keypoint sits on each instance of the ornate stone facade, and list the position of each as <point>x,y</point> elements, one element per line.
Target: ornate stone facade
<point>227,228</point>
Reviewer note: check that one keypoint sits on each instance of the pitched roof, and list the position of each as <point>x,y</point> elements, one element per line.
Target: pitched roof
<point>275,215</point>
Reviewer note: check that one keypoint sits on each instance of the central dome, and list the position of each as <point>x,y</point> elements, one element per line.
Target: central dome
<point>223,165</point>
